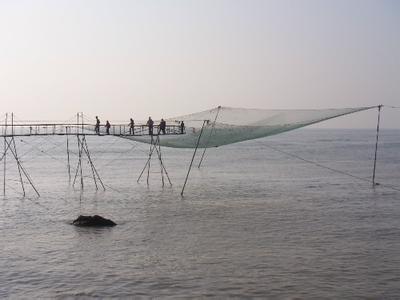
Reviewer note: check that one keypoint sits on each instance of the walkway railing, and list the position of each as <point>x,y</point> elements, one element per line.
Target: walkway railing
<point>33,129</point>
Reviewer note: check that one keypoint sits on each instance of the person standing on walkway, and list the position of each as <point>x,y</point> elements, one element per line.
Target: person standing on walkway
<point>108,125</point>
<point>132,127</point>
<point>150,123</point>
<point>97,126</point>
<point>163,125</point>
<point>182,127</point>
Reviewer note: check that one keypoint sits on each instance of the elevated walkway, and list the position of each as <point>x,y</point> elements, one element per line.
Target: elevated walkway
<point>10,130</point>
<point>41,129</point>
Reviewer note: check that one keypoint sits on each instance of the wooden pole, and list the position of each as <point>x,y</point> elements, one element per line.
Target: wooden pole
<point>80,163</point>
<point>68,161</point>
<point>86,150</point>
<point>162,164</point>
<point>148,161</point>
<point>209,137</point>
<point>22,168</point>
<point>94,170</point>
<point>16,155</point>
<point>148,165</point>
<point>159,158</point>
<point>5,156</point>
<point>82,120</point>
<point>194,154</point>
<point>77,167</point>
<point>376,145</point>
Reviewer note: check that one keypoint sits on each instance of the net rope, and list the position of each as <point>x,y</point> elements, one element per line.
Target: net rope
<point>317,164</point>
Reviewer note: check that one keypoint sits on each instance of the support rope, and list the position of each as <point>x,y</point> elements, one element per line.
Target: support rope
<point>329,168</point>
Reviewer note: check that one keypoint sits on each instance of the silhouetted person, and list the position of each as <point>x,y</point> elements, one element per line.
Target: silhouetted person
<point>163,125</point>
<point>132,127</point>
<point>150,123</point>
<point>108,125</point>
<point>182,127</point>
<point>97,126</point>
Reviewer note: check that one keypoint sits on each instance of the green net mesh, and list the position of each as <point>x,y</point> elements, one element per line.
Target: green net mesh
<point>227,125</point>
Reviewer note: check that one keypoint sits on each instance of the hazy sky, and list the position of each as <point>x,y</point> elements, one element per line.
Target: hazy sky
<point>118,59</point>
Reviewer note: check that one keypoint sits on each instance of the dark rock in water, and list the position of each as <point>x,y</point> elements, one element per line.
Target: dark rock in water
<point>93,221</point>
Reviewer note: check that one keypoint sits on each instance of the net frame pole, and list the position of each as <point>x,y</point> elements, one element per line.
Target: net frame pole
<point>162,164</point>
<point>68,160</point>
<point>16,154</point>
<point>376,145</point>
<point>148,165</point>
<point>5,155</point>
<point>209,137</point>
<point>13,152</point>
<point>82,121</point>
<point>80,151</point>
<point>83,149</point>
<point>159,158</point>
<point>194,154</point>
<point>86,151</point>
<point>10,145</point>
<point>155,148</point>
<point>79,166</point>
<point>94,170</point>
<point>147,162</point>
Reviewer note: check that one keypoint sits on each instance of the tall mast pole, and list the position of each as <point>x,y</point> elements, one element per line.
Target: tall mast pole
<point>209,137</point>
<point>5,156</point>
<point>376,144</point>
<point>194,154</point>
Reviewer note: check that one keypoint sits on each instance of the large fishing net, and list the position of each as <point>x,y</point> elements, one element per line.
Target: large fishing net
<point>227,125</point>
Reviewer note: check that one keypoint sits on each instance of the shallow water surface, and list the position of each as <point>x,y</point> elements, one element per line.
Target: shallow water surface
<point>254,222</point>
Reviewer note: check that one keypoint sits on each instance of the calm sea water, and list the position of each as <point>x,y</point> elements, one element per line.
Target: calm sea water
<point>254,222</point>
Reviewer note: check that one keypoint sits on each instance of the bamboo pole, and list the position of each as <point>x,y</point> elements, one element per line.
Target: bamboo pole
<point>209,137</point>
<point>376,145</point>
<point>16,155</point>
<point>68,160</point>
<point>5,156</point>
<point>148,161</point>
<point>162,164</point>
<point>194,154</point>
